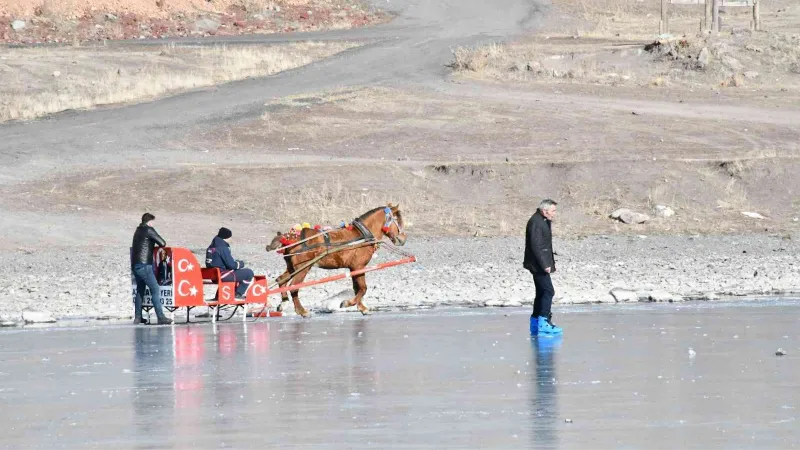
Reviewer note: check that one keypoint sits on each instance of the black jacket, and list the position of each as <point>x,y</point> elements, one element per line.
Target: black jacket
<point>219,255</point>
<point>539,245</point>
<point>144,239</point>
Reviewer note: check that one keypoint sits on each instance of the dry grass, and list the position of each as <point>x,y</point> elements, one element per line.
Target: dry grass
<point>640,19</point>
<point>733,194</point>
<point>332,201</point>
<point>605,46</point>
<point>760,60</point>
<point>38,82</point>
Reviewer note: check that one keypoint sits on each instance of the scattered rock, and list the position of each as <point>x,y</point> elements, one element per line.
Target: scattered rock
<point>533,67</point>
<point>567,420</point>
<point>664,211</point>
<point>606,298</point>
<point>330,306</point>
<point>18,25</point>
<point>56,74</point>
<point>625,215</point>
<point>731,63</point>
<point>206,25</point>
<point>751,74</point>
<point>780,352</point>
<point>111,17</point>
<point>31,316</point>
<point>661,296</point>
<point>704,57</point>
<point>736,80</point>
<point>692,353</point>
<point>624,295</point>
<point>753,215</point>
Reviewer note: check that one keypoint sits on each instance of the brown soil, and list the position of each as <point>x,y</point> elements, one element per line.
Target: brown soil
<point>28,8</point>
<point>92,20</point>
<point>466,166</point>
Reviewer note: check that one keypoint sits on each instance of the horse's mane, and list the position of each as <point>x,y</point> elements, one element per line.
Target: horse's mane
<point>370,212</point>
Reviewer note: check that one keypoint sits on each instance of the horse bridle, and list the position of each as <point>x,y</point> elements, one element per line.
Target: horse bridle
<point>389,220</point>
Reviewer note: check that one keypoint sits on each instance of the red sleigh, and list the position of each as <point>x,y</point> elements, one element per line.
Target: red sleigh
<point>182,282</point>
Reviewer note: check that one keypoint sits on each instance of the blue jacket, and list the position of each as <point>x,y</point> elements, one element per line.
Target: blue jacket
<point>219,255</point>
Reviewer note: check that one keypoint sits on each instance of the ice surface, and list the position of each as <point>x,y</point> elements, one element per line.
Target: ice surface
<point>433,379</point>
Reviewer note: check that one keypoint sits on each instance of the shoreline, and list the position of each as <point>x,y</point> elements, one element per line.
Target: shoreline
<point>73,322</point>
<point>92,282</point>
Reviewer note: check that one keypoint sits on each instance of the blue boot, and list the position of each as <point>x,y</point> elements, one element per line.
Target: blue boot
<point>534,325</point>
<point>546,329</point>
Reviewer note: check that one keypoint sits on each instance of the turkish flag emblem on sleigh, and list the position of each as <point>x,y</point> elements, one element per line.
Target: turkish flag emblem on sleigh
<point>181,280</point>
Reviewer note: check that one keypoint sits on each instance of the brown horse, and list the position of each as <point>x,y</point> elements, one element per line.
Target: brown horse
<point>364,234</point>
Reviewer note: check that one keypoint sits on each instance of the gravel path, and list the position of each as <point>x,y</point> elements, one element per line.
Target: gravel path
<point>94,282</point>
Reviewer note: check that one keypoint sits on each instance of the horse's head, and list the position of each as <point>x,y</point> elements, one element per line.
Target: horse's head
<point>276,242</point>
<point>393,225</point>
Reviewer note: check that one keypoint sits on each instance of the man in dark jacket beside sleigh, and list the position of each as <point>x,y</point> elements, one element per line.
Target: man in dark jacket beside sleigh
<point>145,239</point>
<point>540,262</point>
<point>219,255</point>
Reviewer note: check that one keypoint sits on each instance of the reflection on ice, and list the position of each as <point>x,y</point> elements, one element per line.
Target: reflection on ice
<point>433,379</point>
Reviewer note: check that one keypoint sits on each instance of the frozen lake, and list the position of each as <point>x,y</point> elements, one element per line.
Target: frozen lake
<point>622,377</point>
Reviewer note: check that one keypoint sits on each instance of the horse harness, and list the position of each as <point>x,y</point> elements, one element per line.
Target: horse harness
<point>358,224</point>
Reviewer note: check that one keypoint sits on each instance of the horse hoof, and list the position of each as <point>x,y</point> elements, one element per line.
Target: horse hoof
<point>366,312</point>
<point>281,306</point>
<point>343,305</point>
<point>305,314</point>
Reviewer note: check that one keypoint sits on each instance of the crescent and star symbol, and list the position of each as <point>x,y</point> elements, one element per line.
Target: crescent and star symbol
<point>192,290</point>
<point>185,266</point>
<point>259,290</point>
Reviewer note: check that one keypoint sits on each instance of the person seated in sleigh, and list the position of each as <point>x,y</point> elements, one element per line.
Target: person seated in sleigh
<point>218,255</point>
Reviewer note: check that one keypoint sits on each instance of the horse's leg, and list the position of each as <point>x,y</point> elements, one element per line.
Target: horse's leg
<point>360,289</point>
<point>297,279</point>
<point>361,282</point>
<point>352,301</point>
<point>283,280</point>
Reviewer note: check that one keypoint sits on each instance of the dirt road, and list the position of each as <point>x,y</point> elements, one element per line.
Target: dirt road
<point>412,48</point>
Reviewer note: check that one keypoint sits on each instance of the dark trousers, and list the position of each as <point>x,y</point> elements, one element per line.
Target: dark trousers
<point>144,276</point>
<point>243,277</point>
<point>544,294</point>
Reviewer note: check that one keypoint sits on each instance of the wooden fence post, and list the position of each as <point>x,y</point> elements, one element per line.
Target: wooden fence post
<point>756,15</point>
<point>709,7</point>
<point>664,28</point>
<point>715,17</point>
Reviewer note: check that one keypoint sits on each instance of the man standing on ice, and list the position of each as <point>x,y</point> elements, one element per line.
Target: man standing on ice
<point>144,240</point>
<point>540,262</point>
